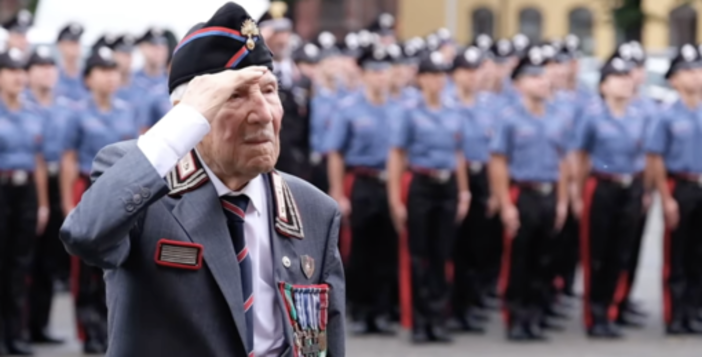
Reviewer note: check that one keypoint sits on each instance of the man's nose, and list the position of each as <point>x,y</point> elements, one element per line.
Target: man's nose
<point>260,110</point>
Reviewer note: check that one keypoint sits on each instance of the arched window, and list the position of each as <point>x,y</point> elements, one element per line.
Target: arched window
<point>683,25</point>
<point>530,24</point>
<point>580,24</point>
<point>483,22</point>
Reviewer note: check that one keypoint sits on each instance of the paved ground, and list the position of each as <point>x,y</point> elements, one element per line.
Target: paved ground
<point>648,342</point>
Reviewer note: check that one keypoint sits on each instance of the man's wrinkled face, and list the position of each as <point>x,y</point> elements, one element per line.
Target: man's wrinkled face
<point>244,139</point>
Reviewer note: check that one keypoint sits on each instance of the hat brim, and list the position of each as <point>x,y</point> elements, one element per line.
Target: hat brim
<point>376,66</point>
<point>528,71</point>
<point>683,66</point>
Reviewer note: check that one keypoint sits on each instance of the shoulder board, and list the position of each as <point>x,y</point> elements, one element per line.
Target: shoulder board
<point>188,175</point>
<point>287,216</point>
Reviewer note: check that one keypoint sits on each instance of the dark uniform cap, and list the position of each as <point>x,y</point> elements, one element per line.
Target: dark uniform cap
<point>375,58</point>
<point>277,17</point>
<point>502,50</point>
<point>326,41</point>
<point>12,59</point>
<point>154,36</point>
<point>521,43</point>
<point>483,42</point>
<point>433,62</point>
<point>106,40</point>
<point>625,52</point>
<point>564,54</point>
<point>101,57</point>
<point>41,56</point>
<point>638,55</point>
<point>615,66</point>
<point>229,40</point>
<point>20,23</point>
<point>549,51</point>
<point>124,44</point>
<point>351,46</point>
<point>444,36</point>
<point>470,58</point>
<point>71,32</point>
<point>532,64</point>
<point>396,53</point>
<point>384,25</point>
<point>432,42</point>
<point>687,57</point>
<point>306,53</point>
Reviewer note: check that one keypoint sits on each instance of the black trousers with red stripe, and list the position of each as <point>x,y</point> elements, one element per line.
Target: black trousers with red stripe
<point>431,229</point>
<point>567,254</point>
<point>372,270</point>
<point>89,293</point>
<point>682,270</point>
<point>527,256</point>
<point>609,229</point>
<point>477,250</point>
<point>18,221</point>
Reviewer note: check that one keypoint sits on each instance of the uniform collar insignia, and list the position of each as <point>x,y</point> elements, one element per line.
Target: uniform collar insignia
<point>287,216</point>
<point>188,175</point>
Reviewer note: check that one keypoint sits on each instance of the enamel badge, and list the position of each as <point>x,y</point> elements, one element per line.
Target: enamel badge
<point>307,263</point>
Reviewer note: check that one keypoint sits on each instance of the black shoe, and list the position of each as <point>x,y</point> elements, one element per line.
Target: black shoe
<point>552,312</point>
<point>465,324</point>
<point>535,332</point>
<point>382,326</point>
<point>548,325</point>
<point>604,331</point>
<point>681,327</point>
<point>477,316</point>
<point>360,328</point>
<point>93,347</point>
<point>626,319</point>
<point>19,348</point>
<point>439,334</point>
<point>44,337</point>
<point>633,309</point>
<point>419,335</point>
<point>518,333</point>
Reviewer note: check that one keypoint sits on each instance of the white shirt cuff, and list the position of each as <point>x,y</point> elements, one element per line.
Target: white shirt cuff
<point>175,135</point>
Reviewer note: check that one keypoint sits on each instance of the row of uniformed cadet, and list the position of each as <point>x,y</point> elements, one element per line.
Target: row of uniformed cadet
<point>55,115</point>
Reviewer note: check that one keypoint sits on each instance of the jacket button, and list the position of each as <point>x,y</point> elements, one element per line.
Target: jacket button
<point>286,262</point>
<point>129,207</point>
<point>136,199</point>
<point>145,193</point>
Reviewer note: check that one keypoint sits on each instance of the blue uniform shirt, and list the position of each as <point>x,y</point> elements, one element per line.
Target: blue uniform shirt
<point>615,145</point>
<point>20,138</point>
<point>431,137</point>
<point>477,131</point>
<point>322,107</point>
<point>148,83</point>
<point>92,129</point>
<point>156,105</point>
<point>72,88</point>
<point>676,135</point>
<point>54,119</point>
<point>359,131</point>
<point>534,146</point>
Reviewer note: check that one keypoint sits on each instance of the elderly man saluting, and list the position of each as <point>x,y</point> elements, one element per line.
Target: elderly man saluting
<point>207,250</point>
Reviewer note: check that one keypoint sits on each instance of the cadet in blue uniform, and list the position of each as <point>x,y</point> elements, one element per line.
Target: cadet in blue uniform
<point>154,46</point>
<point>358,143</point>
<point>103,120</point>
<point>24,209</point>
<point>673,147</point>
<point>527,176</point>
<point>51,262</point>
<point>610,138</point>
<point>70,83</point>
<point>472,253</point>
<point>17,27</point>
<point>428,138</point>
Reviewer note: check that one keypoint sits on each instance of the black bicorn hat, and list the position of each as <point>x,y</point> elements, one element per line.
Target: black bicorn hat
<point>564,53</point>
<point>638,54</point>
<point>278,17</point>
<point>615,66</point>
<point>13,58</point>
<point>687,57</point>
<point>124,44</point>
<point>351,46</point>
<point>531,64</point>
<point>624,51</point>
<point>520,43</point>
<point>228,40</point>
<point>549,51</point>
<point>375,58</point>
<point>106,40</point>
<point>483,42</point>
<point>155,36</point>
<point>100,57</point>
<point>396,54</point>
<point>433,62</point>
<point>41,55</point>
<point>383,25</point>
<point>502,50</point>
<point>469,58</point>
<point>326,41</point>
<point>21,22</point>
<point>71,32</point>
<point>306,53</point>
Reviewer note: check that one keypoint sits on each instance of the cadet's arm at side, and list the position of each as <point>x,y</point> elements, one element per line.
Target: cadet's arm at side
<point>499,179</point>
<point>396,167</point>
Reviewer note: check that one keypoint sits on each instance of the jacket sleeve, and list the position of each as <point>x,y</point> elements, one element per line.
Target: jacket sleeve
<point>333,275</point>
<point>124,184</point>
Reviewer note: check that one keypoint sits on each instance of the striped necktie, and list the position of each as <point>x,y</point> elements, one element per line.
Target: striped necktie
<point>235,211</point>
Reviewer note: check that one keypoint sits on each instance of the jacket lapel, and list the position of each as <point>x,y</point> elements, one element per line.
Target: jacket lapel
<point>200,213</point>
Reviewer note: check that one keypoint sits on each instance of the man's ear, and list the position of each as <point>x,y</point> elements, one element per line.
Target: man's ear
<point>175,102</point>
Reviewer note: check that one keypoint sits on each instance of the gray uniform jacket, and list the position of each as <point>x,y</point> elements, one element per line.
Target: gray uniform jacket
<point>173,285</point>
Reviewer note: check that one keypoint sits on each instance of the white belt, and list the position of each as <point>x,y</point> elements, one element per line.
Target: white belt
<point>476,167</point>
<point>315,158</point>
<point>53,168</point>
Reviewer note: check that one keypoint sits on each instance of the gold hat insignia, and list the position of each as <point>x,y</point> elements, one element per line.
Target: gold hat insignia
<point>249,29</point>
<point>278,9</point>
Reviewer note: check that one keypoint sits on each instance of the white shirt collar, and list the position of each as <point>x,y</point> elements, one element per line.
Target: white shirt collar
<point>255,189</point>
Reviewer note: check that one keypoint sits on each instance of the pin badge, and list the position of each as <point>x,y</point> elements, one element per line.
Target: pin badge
<point>249,29</point>
<point>307,265</point>
<point>286,262</point>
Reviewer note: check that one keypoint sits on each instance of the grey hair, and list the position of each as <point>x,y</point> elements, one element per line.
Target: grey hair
<point>178,93</point>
